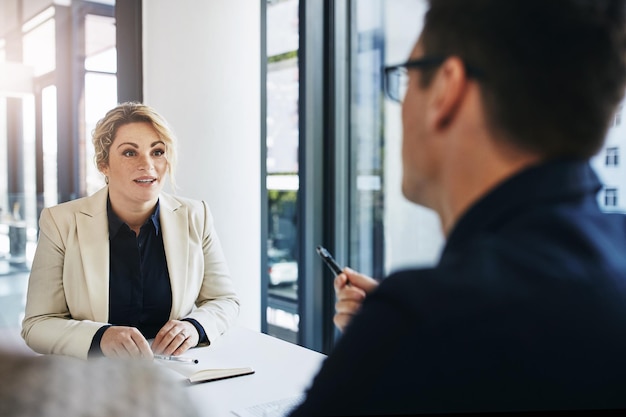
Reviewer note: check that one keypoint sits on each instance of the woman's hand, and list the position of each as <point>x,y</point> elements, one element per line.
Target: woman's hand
<point>351,288</point>
<point>124,342</point>
<point>175,338</point>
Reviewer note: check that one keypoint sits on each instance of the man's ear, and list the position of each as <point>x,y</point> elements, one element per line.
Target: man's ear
<point>447,92</point>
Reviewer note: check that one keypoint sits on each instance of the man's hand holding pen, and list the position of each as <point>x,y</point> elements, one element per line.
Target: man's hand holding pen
<point>350,297</point>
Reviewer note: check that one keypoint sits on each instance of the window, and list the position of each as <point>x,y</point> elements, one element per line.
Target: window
<point>386,231</point>
<point>282,165</point>
<point>610,197</point>
<point>100,87</point>
<point>340,186</point>
<point>73,68</point>
<point>612,156</point>
<point>39,42</point>
<point>367,141</point>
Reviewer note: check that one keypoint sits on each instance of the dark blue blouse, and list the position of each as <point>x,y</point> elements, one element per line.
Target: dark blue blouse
<point>140,293</point>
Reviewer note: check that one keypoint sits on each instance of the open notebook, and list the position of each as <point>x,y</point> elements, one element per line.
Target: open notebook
<point>193,374</point>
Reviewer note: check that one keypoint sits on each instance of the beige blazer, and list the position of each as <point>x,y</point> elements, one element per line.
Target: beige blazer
<point>68,288</point>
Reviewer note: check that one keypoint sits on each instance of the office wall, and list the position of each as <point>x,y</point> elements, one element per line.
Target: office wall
<point>202,72</point>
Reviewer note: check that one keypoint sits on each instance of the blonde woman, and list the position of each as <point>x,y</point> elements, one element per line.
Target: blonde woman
<point>131,262</point>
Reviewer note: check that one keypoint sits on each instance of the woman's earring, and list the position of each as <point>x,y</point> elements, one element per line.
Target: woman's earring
<point>106,179</point>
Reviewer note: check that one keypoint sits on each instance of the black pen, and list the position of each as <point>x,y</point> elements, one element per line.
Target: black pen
<point>329,260</point>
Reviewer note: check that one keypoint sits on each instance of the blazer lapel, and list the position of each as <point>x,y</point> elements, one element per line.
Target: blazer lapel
<point>175,228</point>
<point>92,227</point>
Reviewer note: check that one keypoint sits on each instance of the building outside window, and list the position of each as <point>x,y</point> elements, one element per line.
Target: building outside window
<point>607,165</point>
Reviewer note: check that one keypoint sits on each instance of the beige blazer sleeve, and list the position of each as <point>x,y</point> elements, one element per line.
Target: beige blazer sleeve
<point>68,289</point>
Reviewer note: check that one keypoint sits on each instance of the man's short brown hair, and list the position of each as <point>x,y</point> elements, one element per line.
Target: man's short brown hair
<point>554,70</point>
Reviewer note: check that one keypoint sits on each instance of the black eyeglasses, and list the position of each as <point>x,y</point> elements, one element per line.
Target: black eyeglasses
<point>397,77</point>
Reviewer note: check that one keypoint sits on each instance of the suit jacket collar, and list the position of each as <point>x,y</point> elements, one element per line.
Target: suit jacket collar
<point>554,180</point>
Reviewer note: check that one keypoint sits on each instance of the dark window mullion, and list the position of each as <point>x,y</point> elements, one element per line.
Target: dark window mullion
<point>311,172</point>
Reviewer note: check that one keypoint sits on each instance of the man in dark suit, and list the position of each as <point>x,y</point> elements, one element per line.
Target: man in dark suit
<point>505,103</point>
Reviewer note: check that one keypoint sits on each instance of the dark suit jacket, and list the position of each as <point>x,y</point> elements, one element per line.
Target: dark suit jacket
<point>526,310</point>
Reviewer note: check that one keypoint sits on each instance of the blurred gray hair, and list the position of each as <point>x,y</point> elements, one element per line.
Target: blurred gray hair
<point>59,386</point>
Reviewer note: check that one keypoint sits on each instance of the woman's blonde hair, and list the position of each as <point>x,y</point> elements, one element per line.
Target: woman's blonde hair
<point>132,112</point>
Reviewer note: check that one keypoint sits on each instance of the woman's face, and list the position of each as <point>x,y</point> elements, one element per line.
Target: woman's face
<point>137,165</point>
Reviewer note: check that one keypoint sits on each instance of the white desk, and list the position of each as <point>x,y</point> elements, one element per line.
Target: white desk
<point>282,370</point>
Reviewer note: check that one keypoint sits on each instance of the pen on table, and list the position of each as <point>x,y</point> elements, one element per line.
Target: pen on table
<point>176,358</point>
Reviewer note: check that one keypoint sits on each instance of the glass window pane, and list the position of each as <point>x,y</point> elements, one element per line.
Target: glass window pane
<point>282,167</point>
<point>49,136</point>
<point>4,190</point>
<point>40,48</point>
<point>414,232</point>
<point>366,173</point>
<point>386,231</point>
<point>28,200</point>
<point>3,161</point>
<point>100,97</point>
<point>100,52</point>
<point>282,27</point>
